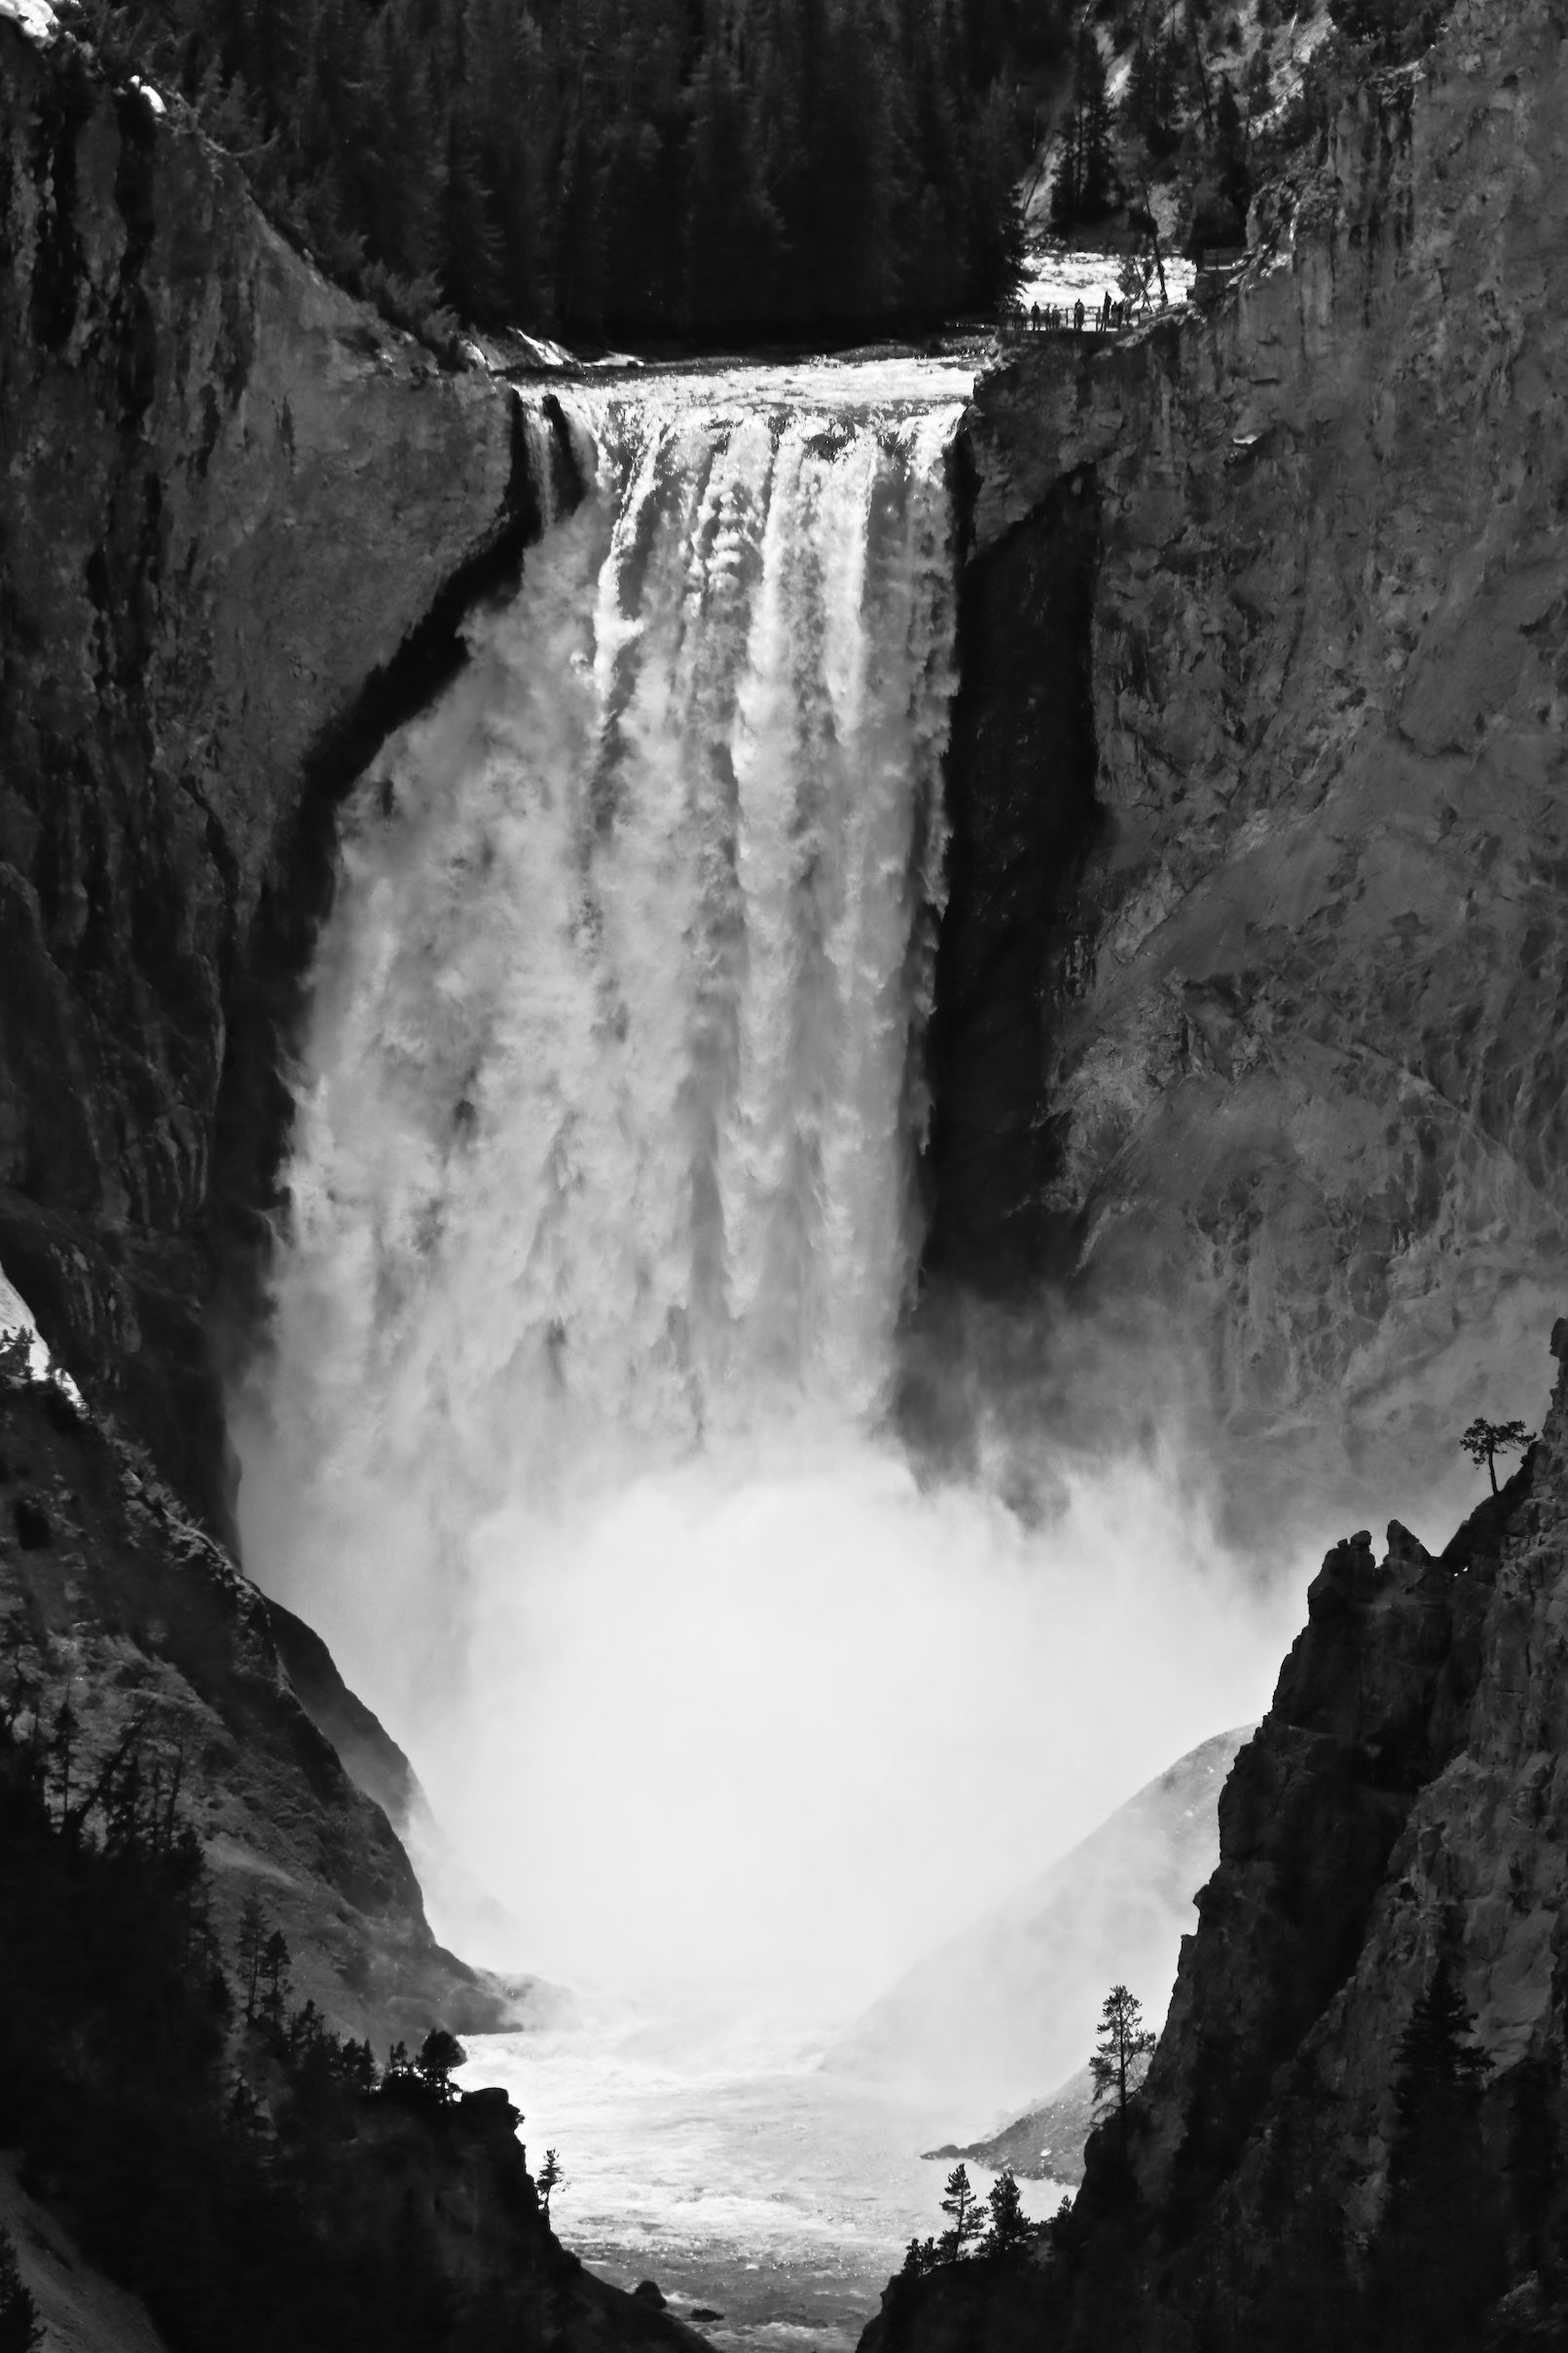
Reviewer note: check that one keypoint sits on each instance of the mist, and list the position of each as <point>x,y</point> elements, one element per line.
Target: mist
<point>774,1719</point>
<point>578,1432</point>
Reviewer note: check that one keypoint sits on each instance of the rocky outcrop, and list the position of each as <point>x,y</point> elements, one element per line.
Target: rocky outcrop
<point>240,518</point>
<point>1045,2144</point>
<point>1282,1043</point>
<point>112,1600</point>
<point>457,2178</point>
<point>1405,1805</point>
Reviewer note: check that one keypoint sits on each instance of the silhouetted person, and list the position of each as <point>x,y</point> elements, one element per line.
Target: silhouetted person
<point>1034,318</point>
<point>1077,314</point>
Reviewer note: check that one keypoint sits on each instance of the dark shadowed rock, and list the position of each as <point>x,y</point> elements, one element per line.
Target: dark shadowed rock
<point>1281,1043</point>
<point>138,1613</point>
<point>1044,2145</point>
<point>1403,1803</point>
<point>240,518</point>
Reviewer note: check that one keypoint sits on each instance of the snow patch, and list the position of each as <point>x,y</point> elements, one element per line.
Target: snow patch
<point>145,89</point>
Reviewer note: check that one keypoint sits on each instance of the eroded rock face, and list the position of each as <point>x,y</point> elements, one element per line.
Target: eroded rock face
<point>1302,1022</point>
<point>231,505</point>
<point>113,1599</point>
<point>1403,1804</point>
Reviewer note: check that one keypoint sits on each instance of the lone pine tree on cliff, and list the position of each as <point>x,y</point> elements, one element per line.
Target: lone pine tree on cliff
<point>963,2202</point>
<point>1124,2040</point>
<point>1485,1439</point>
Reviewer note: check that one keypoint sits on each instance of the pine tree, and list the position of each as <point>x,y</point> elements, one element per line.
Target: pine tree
<point>1117,2064</point>
<point>439,2053</point>
<point>274,1971</point>
<point>1149,103</point>
<point>1010,2227</point>
<point>1439,2262</point>
<point>1085,186</point>
<point>625,167</point>
<point>1437,2058</point>
<point>731,232</point>
<point>1232,163</point>
<point>1485,1439</point>
<point>962,2202</point>
<point>249,1945</point>
<point>551,2178</point>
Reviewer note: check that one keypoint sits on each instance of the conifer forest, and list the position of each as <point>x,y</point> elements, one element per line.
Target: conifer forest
<point>625,169</point>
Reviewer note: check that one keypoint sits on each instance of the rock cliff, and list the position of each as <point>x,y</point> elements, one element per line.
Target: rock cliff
<point>113,1601</point>
<point>238,520</point>
<point>1253,978</point>
<point>1404,1807</point>
<point>241,519</point>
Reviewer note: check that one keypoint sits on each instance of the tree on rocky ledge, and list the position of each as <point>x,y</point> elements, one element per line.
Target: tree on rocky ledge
<point>1485,1439</point>
<point>962,2202</point>
<point>1124,2042</point>
<point>439,2054</point>
<point>1010,2227</point>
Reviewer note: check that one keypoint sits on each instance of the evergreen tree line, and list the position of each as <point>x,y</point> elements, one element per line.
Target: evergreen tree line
<point>619,169</point>
<point>996,2225</point>
<point>1171,101</point>
<point>256,2179</point>
<point>1473,2201</point>
<point>1190,106</point>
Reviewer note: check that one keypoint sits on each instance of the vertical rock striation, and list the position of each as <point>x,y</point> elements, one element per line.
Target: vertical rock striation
<point>238,517</point>
<point>1403,1804</point>
<point>1292,1005</point>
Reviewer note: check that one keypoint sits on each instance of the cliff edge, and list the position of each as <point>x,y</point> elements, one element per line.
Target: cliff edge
<point>240,518</point>
<point>1251,1003</point>
<point>1314,2161</point>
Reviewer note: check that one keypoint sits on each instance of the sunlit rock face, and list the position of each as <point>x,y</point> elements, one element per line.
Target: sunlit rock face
<point>1401,1805</point>
<point>1300,1067</point>
<point>228,497</point>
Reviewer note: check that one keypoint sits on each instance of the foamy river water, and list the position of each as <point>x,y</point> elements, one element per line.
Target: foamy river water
<point>726,2164</point>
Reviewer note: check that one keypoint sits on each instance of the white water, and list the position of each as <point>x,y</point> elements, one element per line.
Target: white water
<point>604,1219</point>
<point>713,2156</point>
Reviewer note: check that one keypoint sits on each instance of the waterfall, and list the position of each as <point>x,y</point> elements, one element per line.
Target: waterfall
<point>603,1218</point>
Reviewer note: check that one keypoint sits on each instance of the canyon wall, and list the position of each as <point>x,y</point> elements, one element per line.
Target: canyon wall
<point>1274,1030</point>
<point>239,517</point>
<point>1293,1025</point>
<point>1402,1808</point>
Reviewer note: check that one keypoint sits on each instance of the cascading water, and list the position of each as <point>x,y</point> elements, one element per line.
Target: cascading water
<point>571,1436</point>
<point>604,1219</point>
